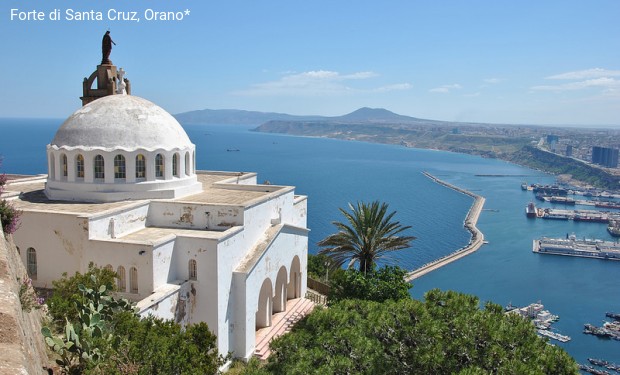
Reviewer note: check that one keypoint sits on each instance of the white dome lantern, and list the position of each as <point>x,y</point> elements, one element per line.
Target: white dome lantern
<point>120,147</point>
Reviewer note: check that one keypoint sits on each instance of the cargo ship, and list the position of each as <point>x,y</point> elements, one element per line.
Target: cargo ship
<point>614,228</point>
<point>549,190</point>
<point>530,210</point>
<point>571,246</point>
<point>562,200</point>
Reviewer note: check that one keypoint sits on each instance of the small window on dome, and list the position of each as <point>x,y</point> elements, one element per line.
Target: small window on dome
<point>99,167</point>
<point>52,169</point>
<point>188,170</point>
<point>119,167</point>
<point>159,166</point>
<point>140,167</point>
<point>79,166</point>
<point>175,165</point>
<point>63,159</point>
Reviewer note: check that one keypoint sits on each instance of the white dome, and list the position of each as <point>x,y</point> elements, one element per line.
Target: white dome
<point>121,147</point>
<point>123,122</point>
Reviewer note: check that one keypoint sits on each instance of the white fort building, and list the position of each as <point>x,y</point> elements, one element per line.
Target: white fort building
<point>122,191</point>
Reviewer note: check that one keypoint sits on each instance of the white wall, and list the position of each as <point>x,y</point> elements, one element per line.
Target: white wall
<point>194,216</point>
<point>58,240</point>
<point>119,222</point>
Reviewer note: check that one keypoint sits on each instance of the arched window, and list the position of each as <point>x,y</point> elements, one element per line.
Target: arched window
<point>120,272</point>
<point>79,166</point>
<point>31,260</point>
<point>99,167</point>
<point>188,171</point>
<point>140,167</point>
<point>133,280</point>
<point>63,161</point>
<point>175,165</point>
<point>193,271</point>
<point>194,161</point>
<point>159,166</point>
<point>119,166</point>
<point>109,267</point>
<point>52,174</point>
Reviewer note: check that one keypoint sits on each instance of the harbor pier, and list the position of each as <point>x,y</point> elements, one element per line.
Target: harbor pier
<point>477,237</point>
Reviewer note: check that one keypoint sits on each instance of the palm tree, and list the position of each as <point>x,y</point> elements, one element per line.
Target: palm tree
<point>368,235</point>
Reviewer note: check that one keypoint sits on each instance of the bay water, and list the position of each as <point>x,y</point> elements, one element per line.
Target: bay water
<point>335,172</point>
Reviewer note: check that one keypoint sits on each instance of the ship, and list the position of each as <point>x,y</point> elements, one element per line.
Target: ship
<point>550,190</point>
<point>604,332</point>
<point>563,200</point>
<point>614,228</point>
<point>594,218</point>
<point>553,335</point>
<point>612,315</point>
<point>571,246</point>
<point>530,210</point>
<point>607,204</point>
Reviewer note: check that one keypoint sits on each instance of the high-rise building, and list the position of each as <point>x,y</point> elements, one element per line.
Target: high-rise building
<point>605,156</point>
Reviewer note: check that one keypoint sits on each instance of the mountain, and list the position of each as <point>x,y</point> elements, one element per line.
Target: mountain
<point>237,117</point>
<point>374,115</point>
<point>240,117</point>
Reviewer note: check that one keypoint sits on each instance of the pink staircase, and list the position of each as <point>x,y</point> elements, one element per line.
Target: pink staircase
<point>281,323</point>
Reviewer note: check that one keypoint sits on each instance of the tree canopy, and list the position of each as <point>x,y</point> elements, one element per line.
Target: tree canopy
<point>447,333</point>
<point>385,283</point>
<point>368,234</point>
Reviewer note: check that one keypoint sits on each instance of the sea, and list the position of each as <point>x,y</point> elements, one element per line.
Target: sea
<point>334,173</point>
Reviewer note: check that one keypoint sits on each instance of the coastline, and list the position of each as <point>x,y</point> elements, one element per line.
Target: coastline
<point>477,237</point>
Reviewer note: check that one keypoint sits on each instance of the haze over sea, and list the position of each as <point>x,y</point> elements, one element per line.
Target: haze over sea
<point>334,172</point>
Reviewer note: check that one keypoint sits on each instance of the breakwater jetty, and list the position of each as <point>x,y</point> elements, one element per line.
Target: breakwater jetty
<point>477,238</point>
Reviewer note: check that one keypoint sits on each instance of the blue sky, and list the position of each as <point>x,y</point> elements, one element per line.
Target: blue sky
<point>517,62</point>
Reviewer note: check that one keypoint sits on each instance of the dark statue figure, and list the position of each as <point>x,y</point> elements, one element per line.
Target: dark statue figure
<point>106,48</point>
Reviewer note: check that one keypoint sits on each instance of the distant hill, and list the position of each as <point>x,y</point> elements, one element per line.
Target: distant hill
<point>374,115</point>
<point>240,117</point>
<point>237,117</point>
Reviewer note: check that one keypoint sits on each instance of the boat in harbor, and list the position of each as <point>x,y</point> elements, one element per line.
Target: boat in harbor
<point>607,204</point>
<point>614,228</point>
<point>554,335</point>
<point>549,190</point>
<point>612,315</point>
<point>590,329</point>
<point>562,200</point>
<point>604,363</point>
<point>571,246</point>
<point>530,210</point>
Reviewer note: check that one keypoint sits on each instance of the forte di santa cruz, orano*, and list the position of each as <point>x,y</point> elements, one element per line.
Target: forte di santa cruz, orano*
<point>111,14</point>
<point>122,191</point>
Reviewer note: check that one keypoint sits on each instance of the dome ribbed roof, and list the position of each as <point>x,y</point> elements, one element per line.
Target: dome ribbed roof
<point>121,122</point>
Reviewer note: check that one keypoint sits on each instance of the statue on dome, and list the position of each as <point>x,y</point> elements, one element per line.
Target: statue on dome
<point>106,48</point>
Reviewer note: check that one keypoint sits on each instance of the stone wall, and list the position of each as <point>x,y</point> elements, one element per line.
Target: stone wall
<point>22,350</point>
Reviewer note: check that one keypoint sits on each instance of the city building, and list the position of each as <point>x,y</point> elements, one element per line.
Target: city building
<point>605,156</point>
<point>122,191</point>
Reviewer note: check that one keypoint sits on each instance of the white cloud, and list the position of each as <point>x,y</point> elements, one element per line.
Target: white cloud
<point>586,74</point>
<point>602,82</point>
<point>394,87</point>
<point>315,83</point>
<point>473,95</point>
<point>492,81</point>
<point>445,89</point>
